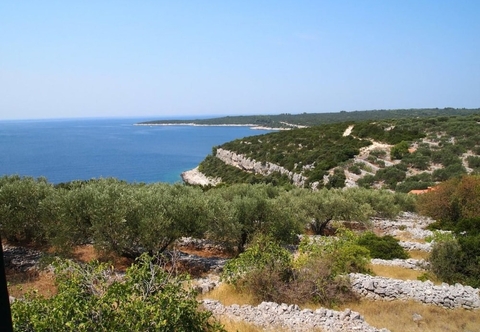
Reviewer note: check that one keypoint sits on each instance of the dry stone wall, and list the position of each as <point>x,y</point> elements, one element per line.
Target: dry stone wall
<point>448,296</point>
<point>272,316</point>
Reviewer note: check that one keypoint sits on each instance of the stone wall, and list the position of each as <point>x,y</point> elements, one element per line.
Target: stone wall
<point>449,296</point>
<point>273,316</point>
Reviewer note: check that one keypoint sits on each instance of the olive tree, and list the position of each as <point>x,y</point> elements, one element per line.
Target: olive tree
<point>21,208</point>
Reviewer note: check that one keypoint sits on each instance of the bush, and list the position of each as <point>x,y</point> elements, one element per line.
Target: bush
<point>21,208</point>
<point>399,150</point>
<point>318,275</point>
<point>445,260</point>
<point>337,179</point>
<point>355,169</point>
<point>383,247</point>
<point>91,298</point>
<point>263,269</point>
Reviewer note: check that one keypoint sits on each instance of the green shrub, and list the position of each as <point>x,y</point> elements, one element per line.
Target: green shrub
<point>399,150</point>
<point>92,298</point>
<point>383,247</point>
<point>263,269</point>
<point>355,169</point>
<point>318,275</point>
<point>445,260</point>
<point>379,153</point>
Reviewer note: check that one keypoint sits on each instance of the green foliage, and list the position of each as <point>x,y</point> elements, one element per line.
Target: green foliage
<point>21,209</point>
<point>355,169</point>
<point>379,153</point>
<point>451,171</point>
<point>342,251</point>
<point>383,247</point>
<point>311,119</point>
<point>420,181</point>
<point>318,276</point>
<point>315,151</point>
<point>245,211</point>
<point>391,175</point>
<point>399,150</point>
<point>337,179</point>
<point>416,160</point>
<point>92,298</point>
<point>261,268</point>
<point>446,259</point>
<point>320,207</point>
<point>367,181</point>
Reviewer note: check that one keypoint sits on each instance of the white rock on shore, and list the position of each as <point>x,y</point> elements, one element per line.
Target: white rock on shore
<point>195,177</point>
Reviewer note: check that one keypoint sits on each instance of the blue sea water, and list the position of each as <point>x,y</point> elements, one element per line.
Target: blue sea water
<point>66,150</point>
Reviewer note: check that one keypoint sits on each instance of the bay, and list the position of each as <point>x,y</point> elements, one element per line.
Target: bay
<point>82,149</point>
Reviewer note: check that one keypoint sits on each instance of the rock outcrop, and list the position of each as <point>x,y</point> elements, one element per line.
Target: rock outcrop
<point>21,258</point>
<point>195,177</point>
<point>253,166</point>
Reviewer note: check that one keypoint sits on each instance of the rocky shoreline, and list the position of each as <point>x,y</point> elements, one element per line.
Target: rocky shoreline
<point>195,177</point>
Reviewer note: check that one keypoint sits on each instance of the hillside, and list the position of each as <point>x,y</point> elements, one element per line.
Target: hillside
<point>399,154</point>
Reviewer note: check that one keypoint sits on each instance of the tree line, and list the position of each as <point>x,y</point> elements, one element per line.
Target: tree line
<point>131,218</point>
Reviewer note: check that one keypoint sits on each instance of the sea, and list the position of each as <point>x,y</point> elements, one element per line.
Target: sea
<point>64,150</point>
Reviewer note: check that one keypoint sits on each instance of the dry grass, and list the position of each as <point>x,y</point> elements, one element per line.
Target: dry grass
<point>20,283</point>
<point>397,316</point>
<point>418,254</point>
<point>401,273</point>
<point>232,325</point>
<point>406,236</point>
<point>228,295</point>
<point>395,272</point>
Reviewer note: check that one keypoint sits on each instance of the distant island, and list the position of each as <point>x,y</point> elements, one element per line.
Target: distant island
<point>290,121</point>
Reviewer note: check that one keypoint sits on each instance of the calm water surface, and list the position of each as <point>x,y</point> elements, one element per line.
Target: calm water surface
<point>65,150</point>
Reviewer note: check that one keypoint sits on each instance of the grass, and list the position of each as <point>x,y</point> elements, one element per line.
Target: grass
<point>397,316</point>
<point>418,254</point>
<point>395,272</point>
<point>228,295</point>
<point>232,325</point>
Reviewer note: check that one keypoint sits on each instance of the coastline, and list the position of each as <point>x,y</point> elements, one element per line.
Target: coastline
<point>252,126</point>
<point>195,177</point>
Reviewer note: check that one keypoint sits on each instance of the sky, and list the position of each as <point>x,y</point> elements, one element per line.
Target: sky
<point>158,59</point>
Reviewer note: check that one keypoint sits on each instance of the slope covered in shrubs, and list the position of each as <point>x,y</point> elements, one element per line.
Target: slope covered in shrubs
<point>417,153</point>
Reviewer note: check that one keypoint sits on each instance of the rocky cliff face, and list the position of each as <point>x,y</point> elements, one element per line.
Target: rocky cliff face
<point>253,166</point>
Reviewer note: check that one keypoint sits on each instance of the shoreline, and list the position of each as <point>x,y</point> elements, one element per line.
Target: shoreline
<point>252,126</point>
<point>195,177</point>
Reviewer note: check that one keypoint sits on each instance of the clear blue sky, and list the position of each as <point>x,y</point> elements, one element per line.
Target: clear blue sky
<point>170,58</point>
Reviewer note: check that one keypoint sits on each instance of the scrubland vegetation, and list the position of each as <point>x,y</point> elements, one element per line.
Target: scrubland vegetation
<point>256,222</point>
<point>130,219</point>
<point>423,151</point>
